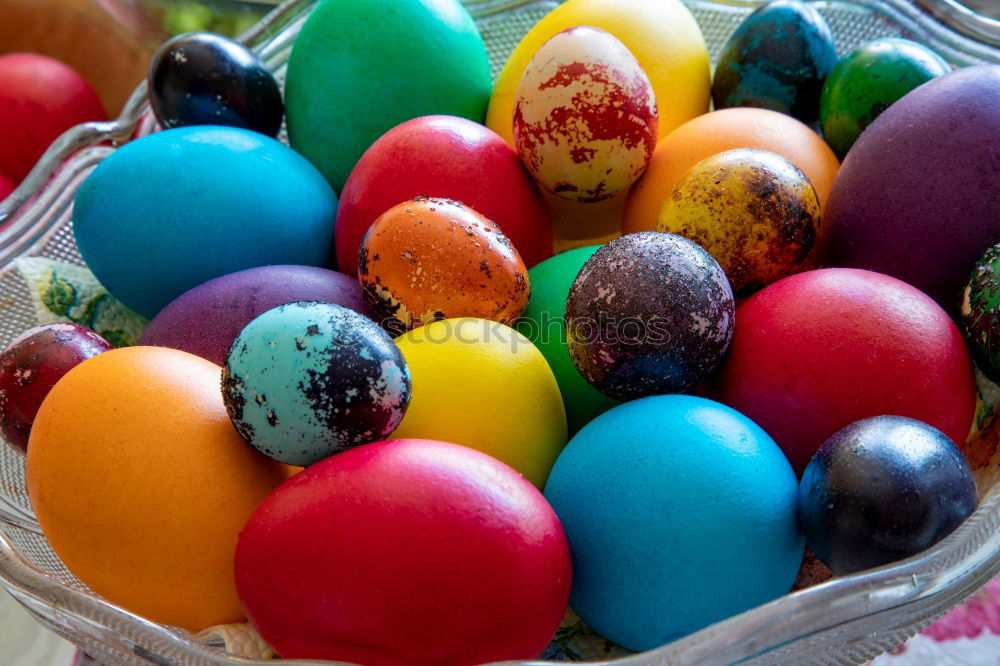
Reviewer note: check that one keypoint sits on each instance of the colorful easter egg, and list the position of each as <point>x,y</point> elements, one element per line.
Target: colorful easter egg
<point>980,315</point>
<point>430,259</point>
<point>585,119</point>
<point>306,380</point>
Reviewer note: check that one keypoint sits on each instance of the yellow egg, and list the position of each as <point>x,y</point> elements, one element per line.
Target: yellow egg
<point>754,211</point>
<point>484,385</point>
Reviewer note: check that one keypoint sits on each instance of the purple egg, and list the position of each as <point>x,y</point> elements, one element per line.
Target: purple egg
<point>917,195</point>
<point>205,320</point>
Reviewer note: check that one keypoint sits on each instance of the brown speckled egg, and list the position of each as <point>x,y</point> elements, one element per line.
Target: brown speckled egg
<point>429,259</point>
<point>585,117</point>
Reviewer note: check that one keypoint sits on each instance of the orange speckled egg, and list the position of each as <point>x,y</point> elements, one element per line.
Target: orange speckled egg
<point>142,485</point>
<point>430,259</point>
<point>585,116</point>
<point>719,131</point>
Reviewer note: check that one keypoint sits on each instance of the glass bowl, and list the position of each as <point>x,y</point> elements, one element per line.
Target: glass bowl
<point>846,620</point>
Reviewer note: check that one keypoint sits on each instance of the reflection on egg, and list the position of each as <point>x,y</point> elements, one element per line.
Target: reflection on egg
<point>431,259</point>
<point>585,117</point>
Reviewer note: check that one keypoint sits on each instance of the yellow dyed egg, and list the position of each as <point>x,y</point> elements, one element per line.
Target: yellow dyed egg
<point>483,385</point>
<point>754,211</point>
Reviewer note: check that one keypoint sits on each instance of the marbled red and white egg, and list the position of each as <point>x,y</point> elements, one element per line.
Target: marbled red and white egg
<point>585,117</point>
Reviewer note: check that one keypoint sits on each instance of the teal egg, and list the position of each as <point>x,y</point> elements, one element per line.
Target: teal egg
<point>360,67</point>
<point>869,80</point>
<point>544,324</point>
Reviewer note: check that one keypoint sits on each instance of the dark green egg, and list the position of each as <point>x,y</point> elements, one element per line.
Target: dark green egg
<point>981,313</point>
<point>866,82</point>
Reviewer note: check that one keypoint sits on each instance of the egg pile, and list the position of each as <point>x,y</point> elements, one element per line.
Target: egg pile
<point>375,415</point>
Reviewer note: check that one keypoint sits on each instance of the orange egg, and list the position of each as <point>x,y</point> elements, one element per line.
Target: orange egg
<point>141,484</point>
<point>719,131</point>
<point>430,259</point>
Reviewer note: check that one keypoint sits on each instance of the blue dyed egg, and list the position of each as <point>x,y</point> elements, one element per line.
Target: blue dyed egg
<point>172,210</point>
<point>777,59</point>
<point>306,380</point>
<point>680,512</point>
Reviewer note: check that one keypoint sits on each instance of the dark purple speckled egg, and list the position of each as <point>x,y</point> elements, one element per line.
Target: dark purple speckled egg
<point>649,313</point>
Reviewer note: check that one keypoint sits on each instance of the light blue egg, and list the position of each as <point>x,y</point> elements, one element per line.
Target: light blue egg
<point>172,210</point>
<point>680,512</point>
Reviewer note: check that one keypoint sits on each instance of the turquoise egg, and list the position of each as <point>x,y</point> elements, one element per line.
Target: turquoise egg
<point>544,324</point>
<point>360,67</point>
<point>866,82</point>
<point>680,512</point>
<point>169,211</point>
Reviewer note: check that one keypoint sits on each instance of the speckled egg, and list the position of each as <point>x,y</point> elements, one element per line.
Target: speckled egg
<point>981,313</point>
<point>431,259</point>
<point>754,211</point>
<point>776,59</point>
<point>585,116</point>
<point>868,81</point>
<point>306,380</point>
<point>649,313</point>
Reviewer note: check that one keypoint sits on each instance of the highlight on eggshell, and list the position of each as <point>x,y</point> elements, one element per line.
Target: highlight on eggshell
<point>585,116</point>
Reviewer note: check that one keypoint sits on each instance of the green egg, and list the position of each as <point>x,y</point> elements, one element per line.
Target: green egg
<point>866,82</point>
<point>360,67</point>
<point>543,323</point>
<point>981,313</point>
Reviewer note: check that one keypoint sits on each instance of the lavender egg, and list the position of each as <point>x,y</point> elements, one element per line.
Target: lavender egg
<point>206,319</point>
<point>649,313</point>
<point>306,380</point>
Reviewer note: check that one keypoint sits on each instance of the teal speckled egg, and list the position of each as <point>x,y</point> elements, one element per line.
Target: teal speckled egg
<point>981,313</point>
<point>866,82</point>
<point>361,67</point>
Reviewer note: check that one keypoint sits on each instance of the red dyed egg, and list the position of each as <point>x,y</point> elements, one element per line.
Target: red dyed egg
<point>40,98</point>
<point>450,157</point>
<point>819,350</point>
<point>6,187</point>
<point>585,118</point>
<point>405,552</point>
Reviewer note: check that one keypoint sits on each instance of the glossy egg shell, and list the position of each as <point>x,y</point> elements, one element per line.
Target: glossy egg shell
<point>776,59</point>
<point>141,485</point>
<point>679,512</point>
<point>6,187</point>
<point>909,481</point>
<point>352,78</point>
<point>715,132</point>
<point>206,79</point>
<point>430,259</point>
<point>449,157</point>
<point>31,365</point>
<point>206,319</point>
<point>916,197</point>
<point>585,119</point>
<point>483,385</point>
<point>169,211</point>
<point>649,313</point>
<point>320,571</point>
<point>754,211</point>
<point>306,380</point>
<point>819,350</point>
<point>869,80</point>
<point>980,314</point>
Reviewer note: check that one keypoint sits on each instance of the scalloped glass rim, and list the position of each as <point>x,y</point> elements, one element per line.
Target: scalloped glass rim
<point>845,620</point>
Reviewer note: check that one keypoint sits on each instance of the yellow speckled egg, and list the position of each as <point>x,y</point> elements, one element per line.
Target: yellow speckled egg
<point>585,117</point>
<point>484,385</point>
<point>754,211</point>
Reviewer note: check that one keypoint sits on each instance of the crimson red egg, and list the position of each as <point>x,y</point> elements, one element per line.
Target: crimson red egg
<point>40,98</point>
<point>449,157</point>
<point>6,187</point>
<point>819,350</point>
<point>405,552</point>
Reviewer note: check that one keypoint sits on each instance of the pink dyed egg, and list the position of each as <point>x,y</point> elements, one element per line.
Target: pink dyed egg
<point>585,118</point>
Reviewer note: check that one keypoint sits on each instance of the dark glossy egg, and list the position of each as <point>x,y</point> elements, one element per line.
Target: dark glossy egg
<point>201,78</point>
<point>883,489</point>
<point>981,313</point>
<point>649,313</point>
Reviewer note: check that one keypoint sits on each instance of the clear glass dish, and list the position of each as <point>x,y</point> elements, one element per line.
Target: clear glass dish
<point>847,620</point>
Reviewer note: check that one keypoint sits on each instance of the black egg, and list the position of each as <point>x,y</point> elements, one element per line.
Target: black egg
<point>883,489</point>
<point>201,78</point>
<point>649,313</point>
